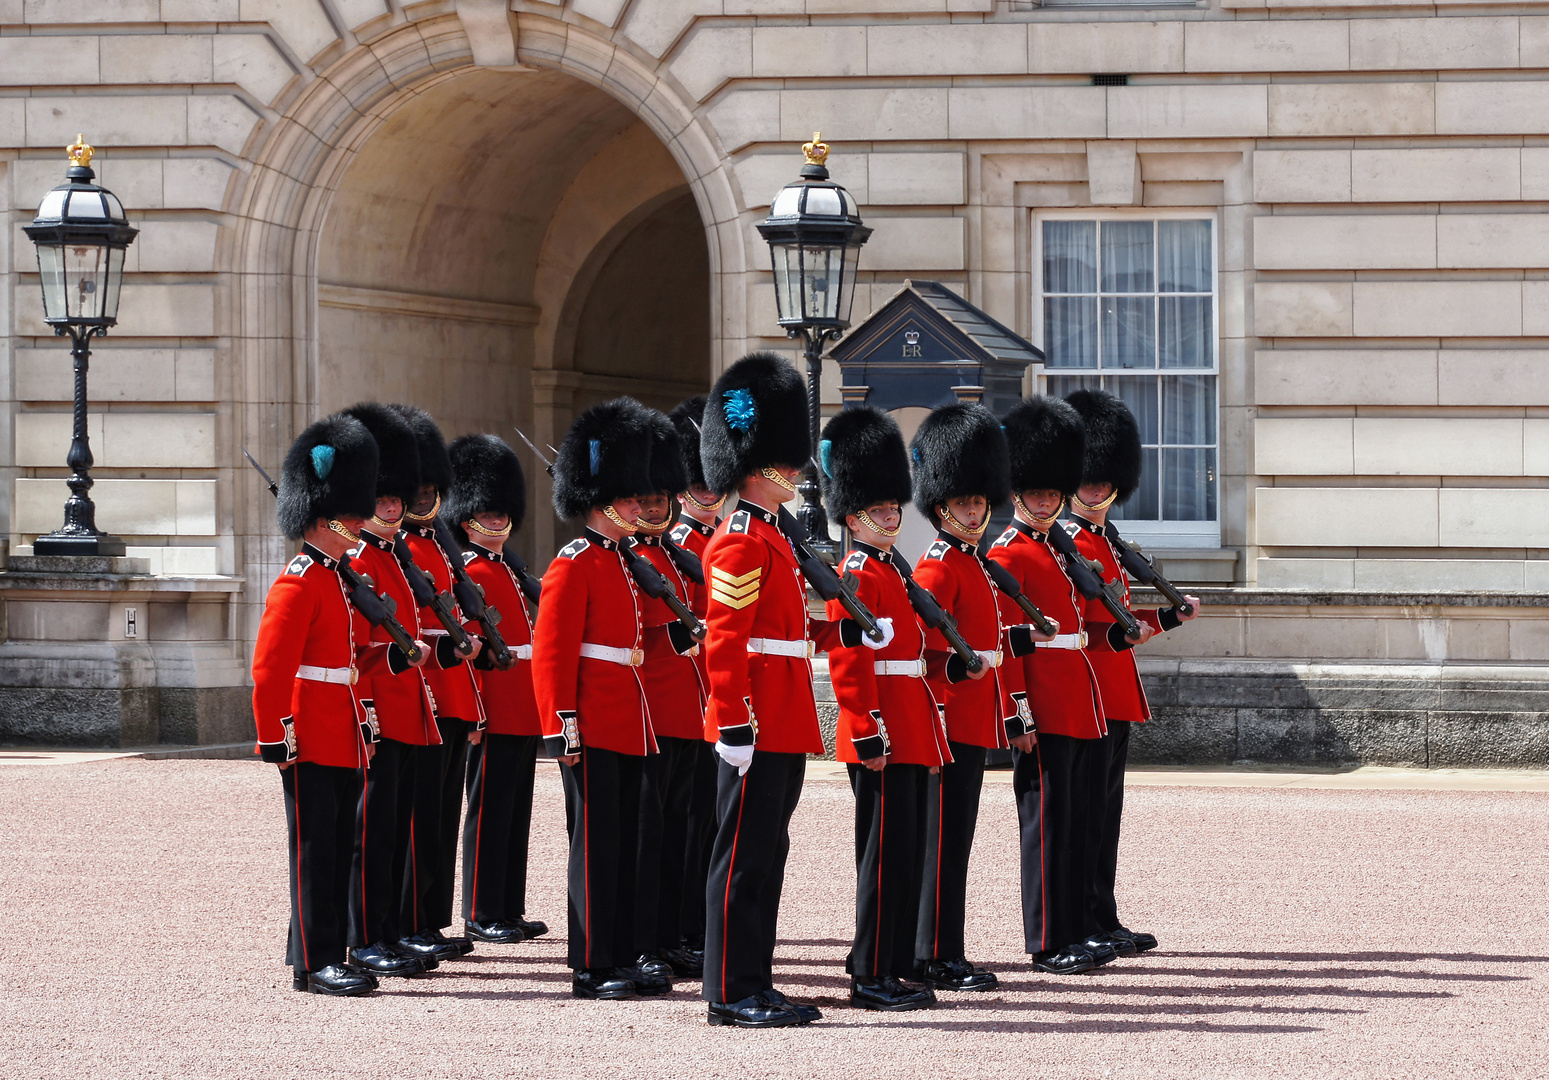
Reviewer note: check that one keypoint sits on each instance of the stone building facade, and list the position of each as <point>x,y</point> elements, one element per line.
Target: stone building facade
<point>1305,237</point>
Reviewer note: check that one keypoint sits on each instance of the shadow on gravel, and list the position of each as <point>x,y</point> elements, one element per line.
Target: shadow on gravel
<point>1369,957</point>
<point>1103,986</point>
<point>1326,973</point>
<point>1081,1027</point>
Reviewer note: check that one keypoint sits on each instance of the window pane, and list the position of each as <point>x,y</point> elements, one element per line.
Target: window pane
<point>1070,256</point>
<point>1183,256</point>
<point>1140,394</point>
<point>1062,386</point>
<point>1127,256</point>
<point>1141,506</point>
<point>1129,332</point>
<point>1186,333</point>
<point>1070,331</point>
<point>1189,410</point>
<point>1188,484</point>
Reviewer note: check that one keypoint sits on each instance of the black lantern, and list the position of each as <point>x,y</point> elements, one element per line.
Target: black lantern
<point>81,235</point>
<point>815,234</point>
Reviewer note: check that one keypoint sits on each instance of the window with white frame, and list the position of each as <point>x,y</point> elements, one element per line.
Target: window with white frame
<point>1129,305</point>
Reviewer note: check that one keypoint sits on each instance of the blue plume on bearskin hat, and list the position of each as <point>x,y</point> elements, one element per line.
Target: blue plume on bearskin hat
<point>756,417</point>
<point>1047,441</point>
<point>688,418</point>
<point>486,479</point>
<point>959,450</point>
<point>1113,452</point>
<point>435,467</point>
<point>863,461</point>
<point>329,471</point>
<point>398,455</point>
<point>606,455</point>
<point>668,475</point>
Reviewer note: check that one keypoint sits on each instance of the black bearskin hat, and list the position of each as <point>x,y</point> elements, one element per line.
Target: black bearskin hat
<point>1046,439</point>
<point>435,466</point>
<point>605,455</point>
<point>667,472</point>
<point>959,450</point>
<point>863,461</point>
<point>398,455</point>
<point>1112,441</point>
<point>486,479</point>
<point>685,417</point>
<point>756,417</point>
<point>329,471</point>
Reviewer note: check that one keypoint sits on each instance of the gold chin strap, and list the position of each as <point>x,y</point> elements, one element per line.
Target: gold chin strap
<point>870,524</point>
<point>482,531</point>
<point>708,508</point>
<point>613,516</point>
<point>393,525</point>
<point>771,474</point>
<point>652,530</point>
<point>951,520</point>
<point>1034,518</point>
<point>420,519</point>
<point>1096,508</point>
<point>342,531</point>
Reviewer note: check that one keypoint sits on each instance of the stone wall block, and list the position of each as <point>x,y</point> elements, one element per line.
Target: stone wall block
<point>131,120</point>
<point>1433,44</point>
<point>1274,735</point>
<point>1113,173</point>
<point>606,12</point>
<point>129,507</point>
<point>761,176</point>
<point>915,244</point>
<point>1333,109</point>
<point>303,24</point>
<point>1499,740</point>
<point>1346,377</point>
<point>1423,446</point>
<point>200,10</point>
<point>956,49</point>
<point>1347,517</point>
<point>1345,242</point>
<point>44,374</point>
<point>159,441</point>
<point>220,120</point>
<point>195,183</point>
<point>1491,108</point>
<point>747,116</point>
<point>914,179</point>
<point>1535,309</point>
<point>1437,174</point>
<point>1317,446</point>
<point>1301,176</point>
<point>252,62</point>
<point>1438,308</point>
<point>1494,377</point>
<point>1028,112</point>
<point>1181,112</point>
<point>864,114</point>
<point>156,58</point>
<point>783,52</point>
<point>1472,517</point>
<point>1384,736</point>
<point>49,61</point>
<point>1303,309</point>
<point>177,246</point>
<point>40,12</point>
<point>710,56</point>
<point>357,13</point>
<point>1483,241</point>
<point>657,25</point>
<point>43,439</point>
<point>1093,47</point>
<point>1267,46</point>
<point>1185,736</point>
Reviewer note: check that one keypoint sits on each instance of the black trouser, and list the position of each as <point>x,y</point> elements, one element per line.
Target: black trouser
<point>381,845</point>
<point>602,801</point>
<point>320,803</point>
<point>700,839</point>
<point>747,872</point>
<point>438,805</point>
<point>889,859</point>
<point>952,813</point>
<point>499,822</point>
<point>1108,780</point>
<point>1055,801</point>
<point>666,786</point>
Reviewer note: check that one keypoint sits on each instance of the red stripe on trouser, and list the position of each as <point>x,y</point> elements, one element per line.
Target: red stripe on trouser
<point>1043,857</point>
<point>876,952</point>
<point>301,922</point>
<point>731,868</point>
<point>941,828</point>
<point>414,875</point>
<point>586,852</point>
<point>365,916</point>
<point>478,830</point>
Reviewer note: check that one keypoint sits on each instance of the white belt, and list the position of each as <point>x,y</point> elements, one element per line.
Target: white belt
<point>625,657</point>
<point>915,669</point>
<point>1065,641</point>
<point>524,652</point>
<point>778,647</point>
<point>345,675</point>
<point>991,659</point>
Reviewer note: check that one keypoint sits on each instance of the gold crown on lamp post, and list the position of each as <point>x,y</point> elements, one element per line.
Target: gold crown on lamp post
<point>80,151</point>
<point>816,150</point>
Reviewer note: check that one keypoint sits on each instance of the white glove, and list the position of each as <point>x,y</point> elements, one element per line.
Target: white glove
<point>739,756</point>
<point>886,626</point>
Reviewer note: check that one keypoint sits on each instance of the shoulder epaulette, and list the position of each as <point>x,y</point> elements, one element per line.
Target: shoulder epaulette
<point>856,560</point>
<point>739,522</point>
<point>469,556</point>
<point>938,550</point>
<point>679,533</point>
<point>299,565</point>
<point>1005,538</point>
<point>1071,528</point>
<point>574,548</point>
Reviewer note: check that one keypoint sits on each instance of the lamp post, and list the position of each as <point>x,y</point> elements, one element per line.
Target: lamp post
<point>81,235</point>
<point>814,233</point>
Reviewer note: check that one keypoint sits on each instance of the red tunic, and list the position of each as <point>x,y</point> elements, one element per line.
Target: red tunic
<point>453,688</point>
<point>950,569</point>
<point>672,683</point>
<point>694,536</point>
<point>1061,688</point>
<point>403,706</point>
<point>1123,696</point>
<point>308,620</point>
<point>761,699</point>
<point>507,695</point>
<point>879,713</point>
<point>590,598</point>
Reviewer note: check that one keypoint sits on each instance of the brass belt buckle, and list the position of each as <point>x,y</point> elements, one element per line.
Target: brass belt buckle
<point>636,657</point>
<point>811,650</point>
<point>354,675</point>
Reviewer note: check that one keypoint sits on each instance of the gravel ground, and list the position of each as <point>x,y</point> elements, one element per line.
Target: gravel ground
<point>1306,933</point>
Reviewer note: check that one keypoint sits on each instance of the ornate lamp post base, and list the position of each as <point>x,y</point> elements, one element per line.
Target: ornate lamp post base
<point>79,535</point>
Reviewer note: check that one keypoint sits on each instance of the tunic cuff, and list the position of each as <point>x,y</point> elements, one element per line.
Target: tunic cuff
<point>738,735</point>
<point>1020,638</point>
<point>1020,722</point>
<point>1169,618</point>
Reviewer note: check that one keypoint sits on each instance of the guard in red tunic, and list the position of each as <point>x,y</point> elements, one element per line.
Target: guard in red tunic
<point>675,692</point>
<point>961,473</point>
<point>404,714</point>
<point>485,503</point>
<point>440,768</point>
<point>1055,718</point>
<point>891,733</point>
<point>762,716</point>
<point>312,649</point>
<point>587,655</point>
<point>699,510</point>
<point>1110,474</point>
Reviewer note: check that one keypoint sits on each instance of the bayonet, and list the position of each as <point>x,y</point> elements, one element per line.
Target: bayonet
<point>548,466</point>
<point>274,489</point>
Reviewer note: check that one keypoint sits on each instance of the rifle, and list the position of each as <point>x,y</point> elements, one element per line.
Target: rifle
<point>425,594</point>
<point>654,585</point>
<point>1142,568</point>
<point>824,581</point>
<point>687,562</point>
<point>1087,576</point>
<point>532,587</point>
<point>376,608</point>
<point>1007,583</point>
<point>470,597</point>
<point>933,615</point>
